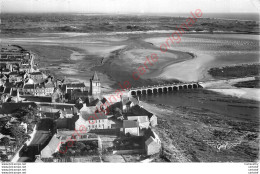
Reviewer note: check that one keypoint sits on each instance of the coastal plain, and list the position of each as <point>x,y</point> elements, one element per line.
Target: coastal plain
<point>117,47</point>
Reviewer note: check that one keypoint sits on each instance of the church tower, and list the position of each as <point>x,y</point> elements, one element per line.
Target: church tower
<point>95,85</point>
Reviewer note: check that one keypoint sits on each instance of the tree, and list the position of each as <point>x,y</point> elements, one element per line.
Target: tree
<point>4,157</point>
<point>79,145</point>
<point>6,142</point>
<point>19,134</point>
<point>57,155</point>
<point>27,114</point>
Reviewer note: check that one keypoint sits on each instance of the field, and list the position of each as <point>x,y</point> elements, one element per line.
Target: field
<point>235,71</point>
<point>193,134</point>
<point>13,24</point>
<point>248,84</point>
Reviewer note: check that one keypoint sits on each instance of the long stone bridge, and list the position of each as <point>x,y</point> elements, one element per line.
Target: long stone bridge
<point>164,88</point>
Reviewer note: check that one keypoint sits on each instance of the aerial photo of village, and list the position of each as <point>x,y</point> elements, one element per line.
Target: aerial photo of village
<point>129,88</point>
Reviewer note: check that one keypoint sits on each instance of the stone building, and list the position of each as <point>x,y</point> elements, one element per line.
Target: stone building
<point>92,121</point>
<point>95,85</point>
<point>152,144</point>
<point>131,127</point>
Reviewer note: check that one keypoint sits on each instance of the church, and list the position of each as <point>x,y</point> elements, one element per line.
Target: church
<point>95,85</point>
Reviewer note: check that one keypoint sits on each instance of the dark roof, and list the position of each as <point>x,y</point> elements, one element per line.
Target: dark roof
<point>79,105</point>
<point>137,110</point>
<point>2,89</point>
<point>38,98</point>
<point>51,115</point>
<point>130,124</point>
<point>95,116</point>
<point>95,77</point>
<point>94,102</point>
<point>104,100</point>
<point>36,73</point>
<point>75,85</point>
<point>29,86</point>
<point>7,90</point>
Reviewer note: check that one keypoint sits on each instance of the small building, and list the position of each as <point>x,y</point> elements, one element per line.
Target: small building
<point>87,109</point>
<point>69,87</point>
<point>131,127</point>
<point>15,76</point>
<point>66,110</point>
<point>153,120</point>
<point>97,120</point>
<point>128,103</point>
<point>142,120</point>
<point>153,144</point>
<point>37,76</point>
<point>138,110</point>
<point>39,89</point>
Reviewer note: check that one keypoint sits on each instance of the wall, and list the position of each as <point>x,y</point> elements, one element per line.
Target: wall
<point>121,152</point>
<point>132,131</point>
<point>152,148</point>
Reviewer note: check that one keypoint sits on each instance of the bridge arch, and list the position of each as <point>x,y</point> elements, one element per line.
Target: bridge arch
<point>195,86</point>
<point>139,92</point>
<point>185,87</point>
<point>133,92</point>
<point>165,89</point>
<point>190,86</point>
<point>149,91</point>
<point>144,92</point>
<point>170,88</point>
<point>160,90</point>
<point>155,90</point>
<point>175,88</point>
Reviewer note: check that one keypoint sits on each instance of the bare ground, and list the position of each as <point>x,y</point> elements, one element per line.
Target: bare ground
<point>199,135</point>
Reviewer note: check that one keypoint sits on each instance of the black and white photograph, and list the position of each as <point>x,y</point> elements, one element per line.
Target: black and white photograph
<point>172,83</point>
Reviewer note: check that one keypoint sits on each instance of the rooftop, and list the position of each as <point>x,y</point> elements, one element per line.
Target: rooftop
<point>75,85</point>
<point>94,116</point>
<point>130,124</point>
<point>95,77</point>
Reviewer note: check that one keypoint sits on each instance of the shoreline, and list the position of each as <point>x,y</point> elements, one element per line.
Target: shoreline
<point>189,70</point>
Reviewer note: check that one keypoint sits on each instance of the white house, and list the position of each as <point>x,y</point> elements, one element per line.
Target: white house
<point>131,127</point>
<point>153,144</point>
<point>142,120</point>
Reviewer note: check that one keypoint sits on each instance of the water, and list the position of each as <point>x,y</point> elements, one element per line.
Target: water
<point>231,107</point>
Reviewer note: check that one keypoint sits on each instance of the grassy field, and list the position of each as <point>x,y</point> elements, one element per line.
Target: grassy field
<point>248,84</point>
<point>29,23</point>
<point>235,71</point>
<point>190,134</point>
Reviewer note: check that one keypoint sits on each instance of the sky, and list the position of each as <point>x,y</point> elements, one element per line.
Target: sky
<point>129,6</point>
